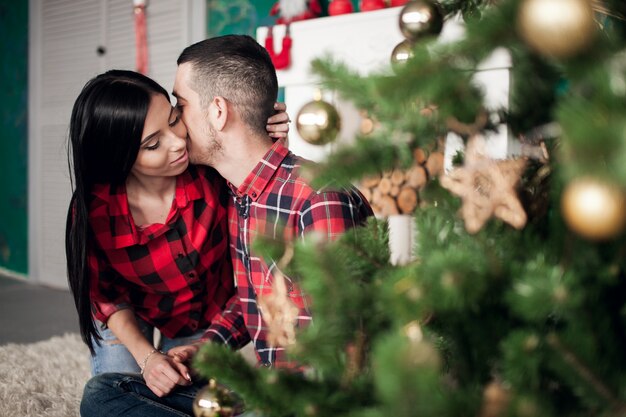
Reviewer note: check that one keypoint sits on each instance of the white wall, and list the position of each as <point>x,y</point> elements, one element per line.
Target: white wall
<point>64,37</point>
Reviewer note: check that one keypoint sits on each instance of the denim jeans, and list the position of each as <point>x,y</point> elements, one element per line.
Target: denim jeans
<point>118,394</point>
<point>112,356</point>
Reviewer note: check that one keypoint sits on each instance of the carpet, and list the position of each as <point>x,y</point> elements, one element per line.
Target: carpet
<point>44,378</point>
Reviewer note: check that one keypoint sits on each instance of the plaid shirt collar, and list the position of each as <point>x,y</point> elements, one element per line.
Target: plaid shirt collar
<point>123,232</point>
<point>258,179</point>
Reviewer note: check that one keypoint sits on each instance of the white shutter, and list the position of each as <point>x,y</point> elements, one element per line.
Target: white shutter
<point>64,38</point>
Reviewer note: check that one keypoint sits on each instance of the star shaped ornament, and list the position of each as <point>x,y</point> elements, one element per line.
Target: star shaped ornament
<point>486,187</point>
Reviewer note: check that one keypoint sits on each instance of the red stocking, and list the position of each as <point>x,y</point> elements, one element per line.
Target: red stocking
<point>282,59</point>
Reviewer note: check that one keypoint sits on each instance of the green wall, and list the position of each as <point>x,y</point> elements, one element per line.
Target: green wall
<point>244,16</point>
<point>13,135</point>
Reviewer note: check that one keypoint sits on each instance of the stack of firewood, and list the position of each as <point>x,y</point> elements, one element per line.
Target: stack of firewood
<point>397,191</point>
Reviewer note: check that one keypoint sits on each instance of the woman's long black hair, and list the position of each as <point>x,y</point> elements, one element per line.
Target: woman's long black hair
<point>104,136</point>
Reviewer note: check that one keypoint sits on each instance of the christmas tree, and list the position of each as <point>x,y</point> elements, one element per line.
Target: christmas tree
<point>514,303</point>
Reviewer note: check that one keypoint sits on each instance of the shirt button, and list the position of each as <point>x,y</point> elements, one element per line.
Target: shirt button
<point>191,275</point>
<point>253,194</point>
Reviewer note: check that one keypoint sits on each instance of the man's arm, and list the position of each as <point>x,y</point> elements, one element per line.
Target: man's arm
<point>331,213</point>
<point>228,327</point>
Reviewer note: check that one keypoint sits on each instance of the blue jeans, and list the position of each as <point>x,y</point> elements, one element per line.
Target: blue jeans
<point>112,356</point>
<point>117,394</point>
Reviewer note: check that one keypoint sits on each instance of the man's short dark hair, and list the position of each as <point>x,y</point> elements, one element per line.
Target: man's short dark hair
<point>237,68</point>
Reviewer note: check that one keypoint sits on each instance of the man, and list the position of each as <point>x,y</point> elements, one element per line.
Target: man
<point>226,88</point>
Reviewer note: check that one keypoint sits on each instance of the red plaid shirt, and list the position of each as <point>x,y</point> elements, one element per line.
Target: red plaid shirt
<point>175,276</point>
<point>273,196</point>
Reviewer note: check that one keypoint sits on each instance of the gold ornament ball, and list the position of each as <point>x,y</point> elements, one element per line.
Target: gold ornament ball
<point>419,18</point>
<point>215,400</point>
<point>401,53</point>
<point>318,122</point>
<point>557,28</point>
<point>594,209</point>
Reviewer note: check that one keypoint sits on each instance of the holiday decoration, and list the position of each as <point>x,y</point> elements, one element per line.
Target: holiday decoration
<point>141,37</point>
<point>594,209</point>
<point>402,52</point>
<point>369,5</point>
<point>396,3</point>
<point>279,313</point>
<point>282,59</point>
<point>487,188</point>
<point>215,400</point>
<point>295,10</point>
<point>397,192</point>
<point>337,7</point>
<point>557,28</point>
<point>496,400</point>
<point>318,122</point>
<point>420,18</point>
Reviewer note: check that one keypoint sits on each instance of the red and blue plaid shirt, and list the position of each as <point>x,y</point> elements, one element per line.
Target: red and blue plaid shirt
<point>175,276</point>
<point>272,198</point>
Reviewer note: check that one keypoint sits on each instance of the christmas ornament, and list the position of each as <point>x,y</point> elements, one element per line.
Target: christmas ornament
<point>141,37</point>
<point>280,60</point>
<point>401,53</point>
<point>369,5</point>
<point>337,7</point>
<point>593,208</point>
<point>215,400</point>
<point>295,10</point>
<point>418,352</point>
<point>318,122</point>
<point>487,187</point>
<point>496,400</point>
<point>396,3</point>
<point>420,18</point>
<point>557,28</point>
<point>279,313</point>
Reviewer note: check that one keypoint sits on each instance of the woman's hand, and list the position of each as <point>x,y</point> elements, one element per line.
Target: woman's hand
<point>278,125</point>
<point>162,373</point>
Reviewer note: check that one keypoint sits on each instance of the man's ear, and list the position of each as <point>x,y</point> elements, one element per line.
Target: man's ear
<point>219,112</point>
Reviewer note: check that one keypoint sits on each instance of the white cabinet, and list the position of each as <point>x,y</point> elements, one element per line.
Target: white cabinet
<point>70,42</point>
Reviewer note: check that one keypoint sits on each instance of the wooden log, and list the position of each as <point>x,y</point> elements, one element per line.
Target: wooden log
<point>407,200</point>
<point>434,164</point>
<point>388,206</point>
<point>384,186</point>
<point>416,177</point>
<point>395,190</point>
<point>397,177</point>
<point>370,181</point>
<point>419,155</point>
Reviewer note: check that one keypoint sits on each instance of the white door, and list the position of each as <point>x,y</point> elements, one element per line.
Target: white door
<point>70,42</point>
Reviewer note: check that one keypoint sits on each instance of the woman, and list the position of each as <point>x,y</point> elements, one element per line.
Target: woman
<point>146,233</point>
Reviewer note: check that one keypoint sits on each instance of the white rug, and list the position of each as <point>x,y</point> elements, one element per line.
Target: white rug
<point>44,378</point>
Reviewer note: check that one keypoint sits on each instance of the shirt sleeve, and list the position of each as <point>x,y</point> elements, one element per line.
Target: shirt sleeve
<point>229,327</point>
<point>331,213</point>
<point>107,297</point>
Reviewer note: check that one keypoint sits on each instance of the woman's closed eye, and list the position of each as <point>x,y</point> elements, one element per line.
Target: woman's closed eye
<point>174,116</point>
<point>154,145</point>
<point>173,123</point>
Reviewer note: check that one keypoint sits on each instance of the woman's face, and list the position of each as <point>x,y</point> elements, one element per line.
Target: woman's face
<point>163,148</point>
